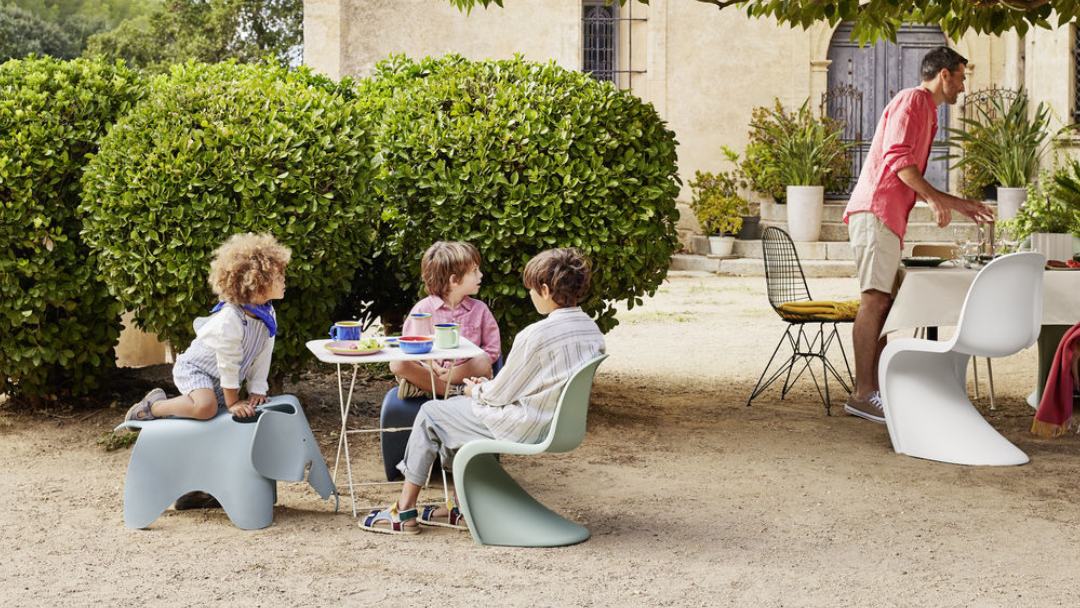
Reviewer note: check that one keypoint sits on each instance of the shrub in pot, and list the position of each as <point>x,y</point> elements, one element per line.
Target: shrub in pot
<point>1050,215</point>
<point>772,130</point>
<point>221,149</point>
<point>718,208</point>
<point>1003,146</point>
<point>58,323</point>
<point>517,157</point>
<point>805,152</point>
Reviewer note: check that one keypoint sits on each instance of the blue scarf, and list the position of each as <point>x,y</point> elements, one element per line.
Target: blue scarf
<point>265,313</point>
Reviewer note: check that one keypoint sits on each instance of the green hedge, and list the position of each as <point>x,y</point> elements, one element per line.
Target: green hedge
<point>517,157</point>
<point>58,323</point>
<point>222,149</point>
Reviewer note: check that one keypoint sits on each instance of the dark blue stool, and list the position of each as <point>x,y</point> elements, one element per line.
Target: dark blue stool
<point>396,413</point>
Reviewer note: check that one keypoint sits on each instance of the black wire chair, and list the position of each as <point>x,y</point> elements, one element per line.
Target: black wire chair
<point>786,284</point>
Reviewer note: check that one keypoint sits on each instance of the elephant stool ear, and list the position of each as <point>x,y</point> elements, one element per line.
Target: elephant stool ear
<point>280,448</point>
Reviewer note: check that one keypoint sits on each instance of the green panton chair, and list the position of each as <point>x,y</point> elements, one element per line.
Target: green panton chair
<point>501,512</point>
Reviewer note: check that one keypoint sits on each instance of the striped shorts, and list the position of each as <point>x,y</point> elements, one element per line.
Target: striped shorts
<point>187,378</point>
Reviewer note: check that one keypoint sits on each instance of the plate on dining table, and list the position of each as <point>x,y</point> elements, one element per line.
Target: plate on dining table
<point>353,348</point>
<point>924,261</point>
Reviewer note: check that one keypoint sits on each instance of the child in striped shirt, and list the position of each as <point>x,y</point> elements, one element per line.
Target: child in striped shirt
<point>235,342</point>
<point>517,405</point>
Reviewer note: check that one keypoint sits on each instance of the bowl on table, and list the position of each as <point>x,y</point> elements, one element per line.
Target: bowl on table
<point>415,345</point>
<point>391,341</point>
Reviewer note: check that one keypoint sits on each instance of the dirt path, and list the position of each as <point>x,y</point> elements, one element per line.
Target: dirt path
<point>692,498</point>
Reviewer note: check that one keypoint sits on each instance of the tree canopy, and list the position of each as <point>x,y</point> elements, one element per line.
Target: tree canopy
<point>881,19</point>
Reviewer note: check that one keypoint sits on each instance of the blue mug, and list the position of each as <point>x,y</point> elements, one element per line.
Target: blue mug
<point>345,330</point>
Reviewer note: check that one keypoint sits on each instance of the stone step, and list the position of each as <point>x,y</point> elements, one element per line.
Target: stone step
<point>834,213</point>
<point>750,267</point>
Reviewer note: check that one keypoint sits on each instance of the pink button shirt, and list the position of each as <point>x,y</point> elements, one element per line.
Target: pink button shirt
<point>477,323</point>
<point>903,138</point>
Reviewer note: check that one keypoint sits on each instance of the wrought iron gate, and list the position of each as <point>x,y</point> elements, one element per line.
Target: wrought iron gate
<point>844,105</point>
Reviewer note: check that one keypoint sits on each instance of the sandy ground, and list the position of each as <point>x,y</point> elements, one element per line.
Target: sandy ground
<point>693,499</point>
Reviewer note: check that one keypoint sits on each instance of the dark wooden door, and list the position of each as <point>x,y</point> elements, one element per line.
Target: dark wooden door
<point>883,70</point>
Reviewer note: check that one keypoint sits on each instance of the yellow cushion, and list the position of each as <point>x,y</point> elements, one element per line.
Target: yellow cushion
<point>835,311</point>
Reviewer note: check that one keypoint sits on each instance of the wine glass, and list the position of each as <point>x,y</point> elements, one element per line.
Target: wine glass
<point>962,239</point>
<point>1007,240</point>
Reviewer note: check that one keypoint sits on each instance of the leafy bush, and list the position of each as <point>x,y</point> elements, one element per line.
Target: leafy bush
<point>716,201</point>
<point>222,149</point>
<point>518,157</point>
<point>794,149</point>
<point>22,34</point>
<point>58,323</point>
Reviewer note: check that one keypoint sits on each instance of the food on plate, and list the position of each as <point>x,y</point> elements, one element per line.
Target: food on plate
<point>1072,263</point>
<point>1056,264</point>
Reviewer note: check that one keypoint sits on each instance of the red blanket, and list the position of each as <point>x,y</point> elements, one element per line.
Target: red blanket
<point>1055,410</point>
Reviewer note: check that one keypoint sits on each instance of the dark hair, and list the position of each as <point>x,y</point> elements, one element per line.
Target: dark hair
<point>566,272</point>
<point>941,58</point>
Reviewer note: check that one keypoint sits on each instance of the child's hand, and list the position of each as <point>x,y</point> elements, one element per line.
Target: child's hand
<point>470,383</point>
<point>242,409</point>
<point>255,399</point>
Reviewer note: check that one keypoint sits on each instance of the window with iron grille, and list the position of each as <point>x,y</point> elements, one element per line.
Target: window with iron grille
<point>601,38</point>
<point>1076,72</point>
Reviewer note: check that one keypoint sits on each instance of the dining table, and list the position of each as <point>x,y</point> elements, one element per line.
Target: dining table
<point>347,363</point>
<point>934,297</point>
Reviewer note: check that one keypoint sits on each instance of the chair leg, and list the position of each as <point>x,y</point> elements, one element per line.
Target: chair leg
<point>990,377</point>
<point>786,367</point>
<point>975,374</point>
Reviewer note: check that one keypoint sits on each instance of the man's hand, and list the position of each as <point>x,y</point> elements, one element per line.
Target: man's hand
<point>977,211</point>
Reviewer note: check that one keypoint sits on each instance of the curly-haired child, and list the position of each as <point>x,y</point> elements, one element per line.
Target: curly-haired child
<point>235,342</point>
<point>451,273</point>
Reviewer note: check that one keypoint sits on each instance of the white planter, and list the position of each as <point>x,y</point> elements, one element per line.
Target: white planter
<point>1054,246</point>
<point>1009,201</point>
<point>721,245</point>
<point>805,205</point>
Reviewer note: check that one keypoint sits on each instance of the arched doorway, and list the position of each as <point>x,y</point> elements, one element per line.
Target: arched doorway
<point>881,71</point>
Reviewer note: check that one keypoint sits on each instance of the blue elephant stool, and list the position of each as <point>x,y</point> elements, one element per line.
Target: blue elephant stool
<point>235,462</point>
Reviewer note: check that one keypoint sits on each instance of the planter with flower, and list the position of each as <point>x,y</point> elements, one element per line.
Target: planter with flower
<point>1050,216</point>
<point>718,207</point>
<point>800,154</point>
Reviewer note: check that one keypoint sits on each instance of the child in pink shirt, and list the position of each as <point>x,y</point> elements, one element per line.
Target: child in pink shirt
<point>451,273</point>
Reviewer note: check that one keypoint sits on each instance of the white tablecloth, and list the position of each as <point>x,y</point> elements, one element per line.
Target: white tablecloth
<point>933,297</point>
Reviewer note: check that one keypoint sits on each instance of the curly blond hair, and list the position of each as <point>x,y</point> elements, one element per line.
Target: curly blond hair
<point>246,265</point>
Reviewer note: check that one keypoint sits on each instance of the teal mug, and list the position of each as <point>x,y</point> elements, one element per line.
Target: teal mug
<point>447,335</point>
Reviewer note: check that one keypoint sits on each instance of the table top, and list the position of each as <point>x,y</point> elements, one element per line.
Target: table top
<point>933,297</point>
<point>465,350</point>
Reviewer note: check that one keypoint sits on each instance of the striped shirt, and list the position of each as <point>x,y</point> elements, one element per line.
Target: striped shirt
<point>519,403</point>
<point>232,347</point>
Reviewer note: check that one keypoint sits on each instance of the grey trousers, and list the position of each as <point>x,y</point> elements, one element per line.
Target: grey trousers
<point>441,428</point>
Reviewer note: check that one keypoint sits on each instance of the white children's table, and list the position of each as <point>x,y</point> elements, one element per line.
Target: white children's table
<point>465,350</point>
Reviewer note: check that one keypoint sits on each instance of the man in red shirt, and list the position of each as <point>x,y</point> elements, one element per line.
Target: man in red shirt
<point>877,213</point>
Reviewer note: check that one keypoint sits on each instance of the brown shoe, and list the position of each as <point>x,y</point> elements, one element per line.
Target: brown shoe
<point>408,390</point>
<point>871,408</point>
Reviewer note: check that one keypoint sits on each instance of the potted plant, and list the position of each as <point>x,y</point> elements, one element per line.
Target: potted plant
<point>751,214</point>
<point>804,151</point>
<point>1003,147</point>
<point>718,207</point>
<point>1050,215</point>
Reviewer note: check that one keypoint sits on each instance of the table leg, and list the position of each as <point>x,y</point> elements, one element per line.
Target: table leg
<point>345,403</point>
<point>1049,338</point>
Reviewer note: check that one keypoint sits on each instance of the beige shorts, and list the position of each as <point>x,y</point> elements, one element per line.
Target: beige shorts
<point>877,252</point>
